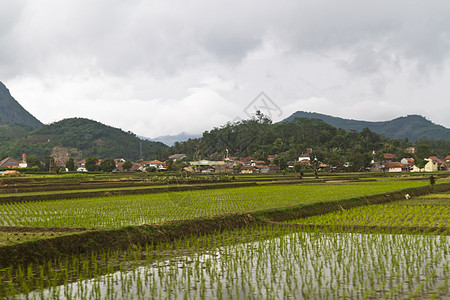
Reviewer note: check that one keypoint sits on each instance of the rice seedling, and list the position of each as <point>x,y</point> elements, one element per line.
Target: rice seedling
<point>118,211</point>
<point>390,214</point>
<point>260,262</point>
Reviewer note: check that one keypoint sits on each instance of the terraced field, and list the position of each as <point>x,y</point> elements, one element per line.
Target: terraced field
<point>425,211</point>
<point>204,256</point>
<point>118,211</point>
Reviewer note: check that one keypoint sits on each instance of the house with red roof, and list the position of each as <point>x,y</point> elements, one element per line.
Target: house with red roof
<point>389,157</point>
<point>396,167</point>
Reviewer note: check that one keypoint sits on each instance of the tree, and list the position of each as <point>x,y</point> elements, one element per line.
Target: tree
<point>298,168</point>
<point>70,165</point>
<point>127,165</point>
<point>91,164</point>
<point>422,152</point>
<point>108,165</point>
<point>33,161</point>
<point>49,164</point>
<point>280,162</point>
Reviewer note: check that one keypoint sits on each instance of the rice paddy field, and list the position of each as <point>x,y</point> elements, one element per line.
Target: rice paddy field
<point>263,260</point>
<point>254,263</point>
<point>118,211</point>
<point>427,211</point>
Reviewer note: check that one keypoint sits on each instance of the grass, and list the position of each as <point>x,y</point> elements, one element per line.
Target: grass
<point>16,237</point>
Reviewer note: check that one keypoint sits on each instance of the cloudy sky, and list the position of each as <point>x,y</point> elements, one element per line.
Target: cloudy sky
<point>165,67</point>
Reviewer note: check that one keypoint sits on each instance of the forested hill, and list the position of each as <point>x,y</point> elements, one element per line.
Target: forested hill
<point>80,138</point>
<point>413,127</point>
<point>258,138</point>
<point>11,112</point>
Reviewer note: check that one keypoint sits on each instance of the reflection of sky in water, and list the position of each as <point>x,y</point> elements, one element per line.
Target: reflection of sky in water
<point>298,265</point>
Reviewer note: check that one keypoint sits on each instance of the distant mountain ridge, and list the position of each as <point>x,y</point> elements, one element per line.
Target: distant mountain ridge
<point>412,127</point>
<point>11,112</point>
<point>170,140</point>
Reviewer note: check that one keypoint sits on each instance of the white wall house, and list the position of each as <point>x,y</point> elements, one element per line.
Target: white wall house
<point>430,166</point>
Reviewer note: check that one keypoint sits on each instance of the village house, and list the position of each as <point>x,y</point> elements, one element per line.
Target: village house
<point>439,162</point>
<point>263,168</point>
<point>411,150</point>
<point>396,167</point>
<point>447,162</point>
<point>304,157</point>
<point>430,166</point>
<point>248,169</point>
<point>257,162</point>
<point>270,158</point>
<point>9,162</point>
<point>389,157</point>
<point>409,162</point>
<point>206,166</point>
<point>156,164</point>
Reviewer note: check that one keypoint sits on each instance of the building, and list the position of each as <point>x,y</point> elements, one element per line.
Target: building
<point>396,167</point>
<point>411,150</point>
<point>389,157</point>
<point>9,162</point>
<point>304,157</point>
<point>430,166</point>
<point>409,162</point>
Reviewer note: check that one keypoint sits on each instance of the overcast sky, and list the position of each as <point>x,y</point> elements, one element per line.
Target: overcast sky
<point>164,67</point>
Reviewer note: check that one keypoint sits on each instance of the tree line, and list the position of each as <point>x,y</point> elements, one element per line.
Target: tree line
<point>258,138</point>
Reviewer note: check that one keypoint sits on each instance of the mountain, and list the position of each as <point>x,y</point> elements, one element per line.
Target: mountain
<point>412,127</point>
<point>80,138</point>
<point>11,112</point>
<point>171,139</point>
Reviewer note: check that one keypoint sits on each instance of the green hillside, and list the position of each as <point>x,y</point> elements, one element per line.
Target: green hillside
<point>81,138</point>
<point>11,112</point>
<point>413,127</point>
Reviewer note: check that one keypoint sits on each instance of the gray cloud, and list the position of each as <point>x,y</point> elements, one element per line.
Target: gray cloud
<point>344,52</point>
<point>168,36</point>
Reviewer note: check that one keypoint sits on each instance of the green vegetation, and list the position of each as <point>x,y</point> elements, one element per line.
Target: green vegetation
<point>341,150</point>
<point>81,138</point>
<point>118,211</point>
<point>412,127</point>
<point>407,213</point>
<point>225,243</point>
<point>256,262</point>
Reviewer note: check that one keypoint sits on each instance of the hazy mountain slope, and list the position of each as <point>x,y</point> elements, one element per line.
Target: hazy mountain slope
<point>412,127</point>
<point>171,139</point>
<point>11,112</point>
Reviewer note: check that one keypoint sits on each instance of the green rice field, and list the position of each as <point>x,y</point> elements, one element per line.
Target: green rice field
<point>254,263</point>
<point>427,211</point>
<point>118,211</point>
<point>261,259</point>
